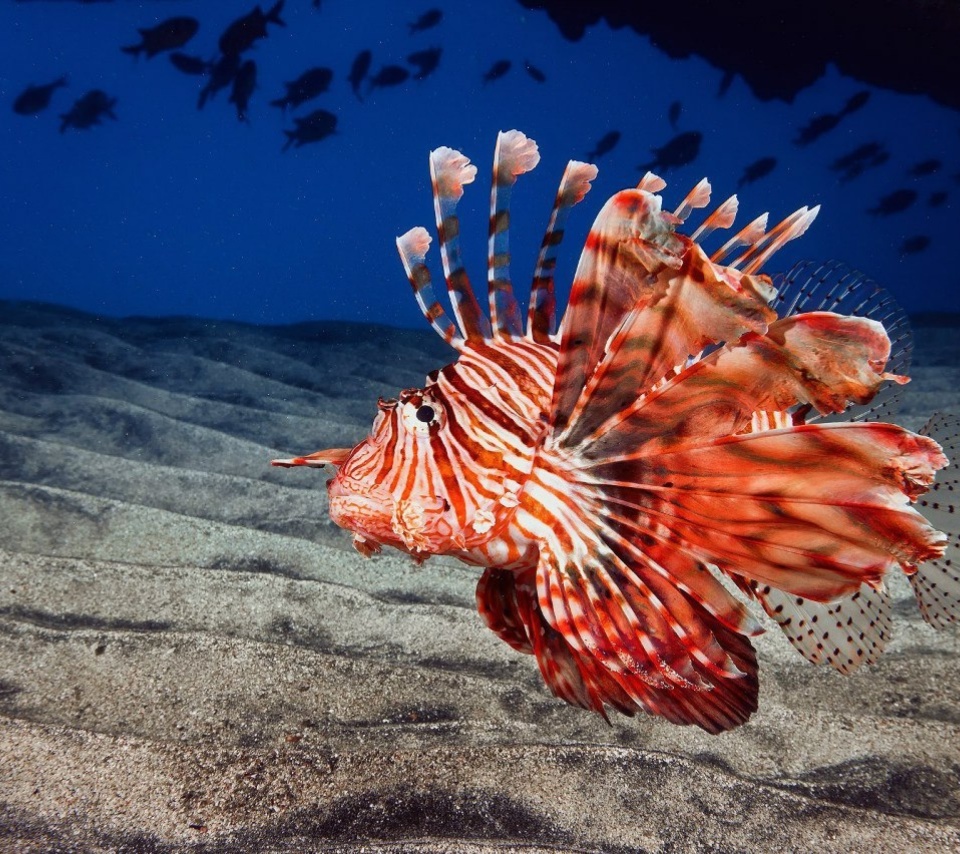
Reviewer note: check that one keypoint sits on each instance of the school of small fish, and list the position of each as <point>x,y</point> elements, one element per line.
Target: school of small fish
<point>675,447</point>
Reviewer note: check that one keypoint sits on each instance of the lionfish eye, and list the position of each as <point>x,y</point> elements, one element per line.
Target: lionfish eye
<point>420,418</point>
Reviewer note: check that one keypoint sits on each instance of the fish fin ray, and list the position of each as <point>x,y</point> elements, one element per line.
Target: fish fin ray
<point>413,246</point>
<point>845,633</point>
<point>449,172</point>
<point>936,583</point>
<point>574,185</point>
<point>515,154</point>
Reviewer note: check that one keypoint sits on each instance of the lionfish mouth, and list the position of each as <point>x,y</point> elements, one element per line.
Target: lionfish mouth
<point>359,507</point>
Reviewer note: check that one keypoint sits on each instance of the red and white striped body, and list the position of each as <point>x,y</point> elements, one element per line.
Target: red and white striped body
<point>674,431</point>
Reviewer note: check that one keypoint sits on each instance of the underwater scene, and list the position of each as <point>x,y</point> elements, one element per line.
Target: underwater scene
<point>479,426</point>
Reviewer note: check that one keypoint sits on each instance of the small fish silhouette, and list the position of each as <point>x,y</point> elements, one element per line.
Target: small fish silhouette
<point>34,99</point>
<point>167,35</point>
<point>313,82</point>
<point>604,145</point>
<point>853,163</point>
<point>189,64</point>
<point>221,75</point>
<point>679,151</point>
<point>924,167</point>
<point>534,72</point>
<point>673,114</point>
<point>938,198</point>
<point>915,244</point>
<point>427,20</point>
<point>358,71</point>
<point>243,85</point>
<point>895,202</point>
<point>725,82</point>
<point>497,70</point>
<point>389,75</point>
<point>313,127</point>
<point>855,102</point>
<point>243,32</point>
<point>88,110</point>
<point>817,127</point>
<point>426,61</point>
<point>757,170</point>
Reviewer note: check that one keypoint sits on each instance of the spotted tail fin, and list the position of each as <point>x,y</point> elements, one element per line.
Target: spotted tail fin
<point>936,583</point>
<point>515,154</point>
<point>574,185</point>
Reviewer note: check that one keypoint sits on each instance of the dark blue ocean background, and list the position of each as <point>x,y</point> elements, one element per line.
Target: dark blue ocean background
<point>170,209</point>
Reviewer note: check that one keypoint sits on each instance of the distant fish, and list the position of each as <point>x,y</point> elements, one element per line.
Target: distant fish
<point>895,202</point>
<point>221,75</point>
<point>189,64</point>
<point>915,244</point>
<point>314,127</point>
<point>757,170</point>
<point>673,114</point>
<point>938,198</point>
<point>167,35</point>
<point>534,72</point>
<point>426,61</point>
<point>604,145</point>
<point>497,70</point>
<point>855,102</point>
<point>88,110</point>
<point>389,75</point>
<point>243,85</point>
<point>817,127</point>
<point>243,32</point>
<point>853,163</point>
<point>35,99</point>
<point>680,151</point>
<point>313,82</point>
<point>725,83</point>
<point>358,71</point>
<point>925,167</point>
<point>316,5</point>
<point>427,20</point>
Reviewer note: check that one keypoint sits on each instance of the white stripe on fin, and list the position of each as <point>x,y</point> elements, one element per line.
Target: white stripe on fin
<point>779,236</point>
<point>698,197</point>
<point>747,235</point>
<point>651,183</point>
<point>515,153</point>
<point>722,217</point>
<point>413,247</point>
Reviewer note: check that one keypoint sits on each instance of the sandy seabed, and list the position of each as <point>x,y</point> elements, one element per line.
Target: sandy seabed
<point>193,658</point>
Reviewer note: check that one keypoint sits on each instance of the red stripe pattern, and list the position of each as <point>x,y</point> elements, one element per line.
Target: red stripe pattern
<point>609,477</point>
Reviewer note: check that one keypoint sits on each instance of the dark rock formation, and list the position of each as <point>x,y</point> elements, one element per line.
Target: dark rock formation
<point>907,46</point>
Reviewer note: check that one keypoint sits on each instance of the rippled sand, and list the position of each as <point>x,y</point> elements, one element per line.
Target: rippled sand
<point>193,658</point>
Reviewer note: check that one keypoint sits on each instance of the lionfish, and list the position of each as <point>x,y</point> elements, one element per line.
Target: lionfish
<point>674,442</point>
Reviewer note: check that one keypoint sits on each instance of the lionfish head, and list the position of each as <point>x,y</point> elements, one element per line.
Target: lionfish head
<point>430,478</point>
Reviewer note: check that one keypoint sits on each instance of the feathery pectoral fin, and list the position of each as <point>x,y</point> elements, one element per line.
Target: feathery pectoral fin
<point>639,640</point>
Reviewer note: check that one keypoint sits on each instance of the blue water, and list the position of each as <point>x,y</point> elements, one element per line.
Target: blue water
<point>174,210</point>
